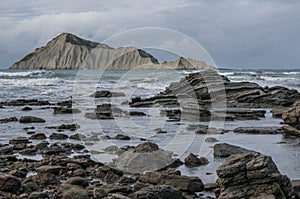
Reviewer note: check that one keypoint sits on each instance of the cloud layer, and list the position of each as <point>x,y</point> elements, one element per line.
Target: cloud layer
<point>237,34</point>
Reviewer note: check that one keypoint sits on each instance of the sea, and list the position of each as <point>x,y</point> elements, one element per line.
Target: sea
<point>62,85</point>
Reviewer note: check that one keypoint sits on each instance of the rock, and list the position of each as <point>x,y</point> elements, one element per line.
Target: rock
<point>291,131</point>
<point>73,192</point>
<point>104,190</point>
<point>277,112</point>
<point>7,150</point>
<point>158,192</point>
<point>122,137</point>
<point>211,139</point>
<point>62,127</point>
<point>77,136</point>
<point>38,136</point>
<point>193,161</point>
<point>296,187</point>
<point>105,111</point>
<point>38,195</point>
<point>19,140</point>
<point>116,196</point>
<point>65,110</point>
<point>29,187</point>
<point>26,102</point>
<point>79,173</point>
<point>31,119</point>
<point>160,131</point>
<point>291,116</point>
<point>79,181</point>
<point>111,149</point>
<point>252,175</point>
<point>45,179</point>
<point>136,113</point>
<point>225,150</point>
<point>183,183</point>
<point>210,186</point>
<point>58,136</point>
<point>6,120</point>
<point>146,147</point>
<point>203,129</point>
<point>106,94</point>
<point>9,183</point>
<point>26,108</point>
<point>258,130</point>
<point>75,52</point>
<point>108,174</point>
<point>49,169</point>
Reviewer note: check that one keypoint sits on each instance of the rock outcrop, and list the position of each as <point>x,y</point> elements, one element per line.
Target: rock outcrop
<point>252,175</point>
<point>67,51</point>
<point>291,116</point>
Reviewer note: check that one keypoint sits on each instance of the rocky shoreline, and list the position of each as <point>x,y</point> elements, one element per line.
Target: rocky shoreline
<point>68,170</point>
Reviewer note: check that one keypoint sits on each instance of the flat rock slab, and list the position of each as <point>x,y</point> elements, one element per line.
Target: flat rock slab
<point>258,130</point>
<point>225,150</point>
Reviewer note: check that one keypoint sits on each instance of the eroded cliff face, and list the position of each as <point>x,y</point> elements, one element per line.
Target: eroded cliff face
<point>68,51</point>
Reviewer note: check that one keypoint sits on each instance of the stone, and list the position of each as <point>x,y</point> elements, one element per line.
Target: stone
<point>38,136</point>
<point>77,136</point>
<point>38,195</point>
<point>26,108</point>
<point>45,179</point>
<point>251,175</point>
<point>73,192</point>
<point>258,130</point>
<point>158,192</point>
<point>116,196</point>
<point>27,102</point>
<point>111,149</point>
<point>160,131</point>
<point>104,190</point>
<point>193,161</point>
<point>211,139</point>
<point>31,119</point>
<point>6,120</point>
<point>137,113</point>
<point>62,127</point>
<point>9,183</point>
<point>19,140</point>
<point>106,94</point>
<point>225,150</point>
<point>105,111</point>
<point>122,137</point>
<point>49,169</point>
<point>65,110</point>
<point>146,147</point>
<point>210,186</point>
<point>58,136</point>
<point>277,112</point>
<point>79,181</point>
<point>296,187</point>
<point>291,131</point>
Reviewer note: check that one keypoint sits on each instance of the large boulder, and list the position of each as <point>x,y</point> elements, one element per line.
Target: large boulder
<point>251,175</point>
<point>31,119</point>
<point>224,150</point>
<point>291,116</point>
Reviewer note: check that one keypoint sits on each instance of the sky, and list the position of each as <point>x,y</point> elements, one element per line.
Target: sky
<point>237,34</point>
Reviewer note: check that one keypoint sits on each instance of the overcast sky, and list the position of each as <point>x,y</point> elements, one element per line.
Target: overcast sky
<point>236,33</point>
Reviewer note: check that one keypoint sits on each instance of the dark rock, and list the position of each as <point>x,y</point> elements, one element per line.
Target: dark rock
<point>172,114</point>
<point>53,150</point>
<point>38,136</point>
<point>6,120</point>
<point>158,192</point>
<point>49,169</point>
<point>31,119</point>
<point>67,103</point>
<point>210,186</point>
<point>108,174</point>
<point>193,161</point>
<point>277,112</point>
<point>7,150</point>
<point>105,111</point>
<point>30,132</point>
<point>104,190</point>
<point>65,110</point>
<point>291,131</point>
<point>225,150</point>
<point>106,94</point>
<point>45,179</point>
<point>258,130</point>
<point>29,187</point>
<point>211,139</point>
<point>79,173</point>
<point>122,137</point>
<point>29,128</point>
<point>58,136</point>
<point>9,183</point>
<point>79,181</point>
<point>296,187</point>
<point>19,140</point>
<point>73,192</point>
<point>27,102</point>
<point>252,175</point>
<point>111,149</point>
<point>70,127</point>
<point>160,131</point>
<point>136,113</point>
<point>26,108</point>
<point>38,195</point>
<point>42,145</point>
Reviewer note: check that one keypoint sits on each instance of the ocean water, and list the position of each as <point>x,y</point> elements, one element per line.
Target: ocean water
<point>56,86</point>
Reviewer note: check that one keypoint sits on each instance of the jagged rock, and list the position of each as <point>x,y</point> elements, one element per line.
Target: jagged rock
<point>226,150</point>
<point>26,102</point>
<point>58,136</point>
<point>31,119</point>
<point>291,131</point>
<point>251,175</point>
<point>9,183</point>
<point>291,116</point>
<point>296,187</point>
<point>186,64</point>
<point>258,130</point>
<point>277,112</point>
<point>65,110</point>
<point>6,120</point>
<point>106,94</point>
<point>146,147</point>
<point>158,192</point>
<point>193,161</point>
